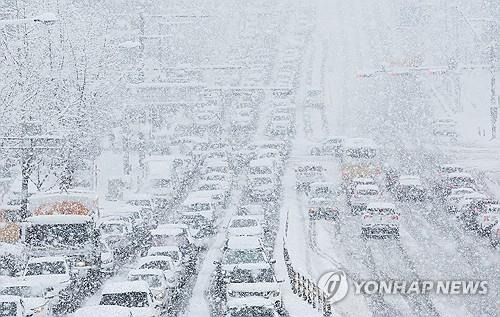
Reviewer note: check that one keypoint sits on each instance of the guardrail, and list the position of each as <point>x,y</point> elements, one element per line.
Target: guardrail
<point>305,288</point>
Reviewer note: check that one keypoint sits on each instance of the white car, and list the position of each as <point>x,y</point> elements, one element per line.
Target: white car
<point>242,250</point>
<point>494,235</point>
<point>157,282</point>
<point>455,196</point>
<point>135,295</point>
<point>327,190</point>
<point>307,174</point>
<point>216,165</point>
<point>263,167</point>
<point>103,311</point>
<point>245,226</point>
<point>380,219</point>
<point>410,187</point>
<point>323,208</point>
<point>488,218</point>
<point>51,272</point>
<point>262,188</point>
<point>330,147</point>
<point>172,251</point>
<point>167,234</point>
<point>163,263</point>
<point>199,212</point>
<point>254,282</point>
<point>362,195</point>
<point>108,261</point>
<point>215,176</point>
<point>12,306</point>
<point>35,299</point>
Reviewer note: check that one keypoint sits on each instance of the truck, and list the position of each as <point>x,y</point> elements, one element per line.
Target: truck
<point>64,224</point>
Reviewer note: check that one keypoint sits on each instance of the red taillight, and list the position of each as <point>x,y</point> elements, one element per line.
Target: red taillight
<point>395,217</point>
<point>498,232</point>
<point>486,218</point>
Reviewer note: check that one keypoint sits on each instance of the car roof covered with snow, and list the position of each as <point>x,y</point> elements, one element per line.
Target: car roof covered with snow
<point>166,248</point>
<point>44,259</point>
<point>367,187</point>
<point>243,243</point>
<point>136,272</point>
<point>10,299</point>
<point>380,205</point>
<point>152,258</point>
<point>125,287</point>
<point>59,219</point>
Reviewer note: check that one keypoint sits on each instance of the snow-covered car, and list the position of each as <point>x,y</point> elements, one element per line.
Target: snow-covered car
<point>214,176</point>
<point>409,187</point>
<point>199,212</point>
<point>254,282</point>
<point>362,195</point>
<point>323,208</point>
<point>157,282</point>
<point>307,174</point>
<point>282,146</point>
<point>37,301</point>
<point>163,263</point>
<point>50,272</point>
<point>470,211</point>
<point>242,250</point>
<point>263,167</point>
<point>487,219</point>
<point>242,307</point>
<point>273,155</point>
<point>454,180</point>
<point>172,251</point>
<point>456,194</point>
<point>358,181</point>
<point>135,295</point>
<point>326,190</point>
<point>216,165</point>
<point>262,188</point>
<point>177,234</point>
<point>380,219</point>
<point>114,226</point>
<point>331,147</point>
<point>12,306</point>
<point>280,127</point>
<point>494,235</point>
<point>103,311</point>
<point>217,190</point>
<point>245,226</point>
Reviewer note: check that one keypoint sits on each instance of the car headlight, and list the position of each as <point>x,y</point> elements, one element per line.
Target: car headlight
<point>80,263</point>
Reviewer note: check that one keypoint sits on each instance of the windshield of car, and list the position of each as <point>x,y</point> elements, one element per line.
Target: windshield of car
<point>260,170</point>
<point>363,153</point>
<point>174,255</point>
<point>152,280</point>
<point>58,234</point>
<point>252,276</point>
<point>130,299</point>
<point>241,223</point>
<point>367,192</point>
<point>22,291</point>
<point>46,268</point>
<point>8,309</point>
<point>159,264</point>
<point>242,256</point>
<point>382,211</point>
<point>112,228</point>
<point>261,181</point>
<point>252,312</point>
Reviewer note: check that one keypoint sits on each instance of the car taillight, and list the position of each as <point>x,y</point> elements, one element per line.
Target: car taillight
<point>498,232</point>
<point>366,216</point>
<point>395,217</point>
<point>486,218</point>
